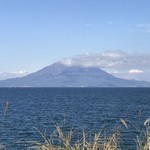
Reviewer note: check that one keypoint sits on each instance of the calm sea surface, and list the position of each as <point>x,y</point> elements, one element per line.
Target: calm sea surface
<point>84,108</point>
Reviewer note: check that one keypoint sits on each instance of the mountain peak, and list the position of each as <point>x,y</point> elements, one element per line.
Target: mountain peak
<point>60,75</point>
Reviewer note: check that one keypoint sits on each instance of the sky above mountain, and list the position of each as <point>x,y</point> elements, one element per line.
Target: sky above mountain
<point>36,33</point>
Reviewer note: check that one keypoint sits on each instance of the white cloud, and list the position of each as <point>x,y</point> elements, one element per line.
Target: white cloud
<point>136,71</point>
<point>146,25</point>
<point>88,25</point>
<point>106,59</point>
<point>113,54</point>
<point>143,27</point>
<point>110,59</point>
<point>67,61</point>
<point>20,72</point>
<point>109,22</point>
<point>7,75</point>
<point>117,62</point>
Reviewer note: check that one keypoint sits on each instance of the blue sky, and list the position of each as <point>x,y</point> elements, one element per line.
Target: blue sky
<point>36,33</point>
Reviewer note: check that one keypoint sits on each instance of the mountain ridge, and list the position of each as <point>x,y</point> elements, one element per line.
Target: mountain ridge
<point>60,75</point>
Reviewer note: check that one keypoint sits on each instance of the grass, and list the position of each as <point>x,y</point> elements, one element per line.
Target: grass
<point>60,140</point>
<point>143,140</point>
<point>98,142</point>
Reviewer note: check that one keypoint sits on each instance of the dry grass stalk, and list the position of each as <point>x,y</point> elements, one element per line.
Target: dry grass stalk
<point>143,143</point>
<point>6,107</point>
<point>98,143</point>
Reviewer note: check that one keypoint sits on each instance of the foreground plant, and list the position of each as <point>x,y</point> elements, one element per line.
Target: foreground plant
<point>61,140</point>
<point>98,142</point>
<point>143,140</point>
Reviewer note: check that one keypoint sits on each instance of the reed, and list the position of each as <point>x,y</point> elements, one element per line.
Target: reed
<point>99,141</point>
<point>143,140</point>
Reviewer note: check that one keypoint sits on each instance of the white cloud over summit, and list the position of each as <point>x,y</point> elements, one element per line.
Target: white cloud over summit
<point>109,59</point>
<point>104,60</point>
<point>119,63</point>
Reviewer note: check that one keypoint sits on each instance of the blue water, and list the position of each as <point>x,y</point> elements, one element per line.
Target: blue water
<point>84,108</point>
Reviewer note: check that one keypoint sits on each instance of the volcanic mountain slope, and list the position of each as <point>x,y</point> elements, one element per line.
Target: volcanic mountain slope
<point>59,75</point>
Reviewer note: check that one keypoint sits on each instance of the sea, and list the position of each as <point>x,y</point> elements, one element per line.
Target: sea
<point>33,112</point>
